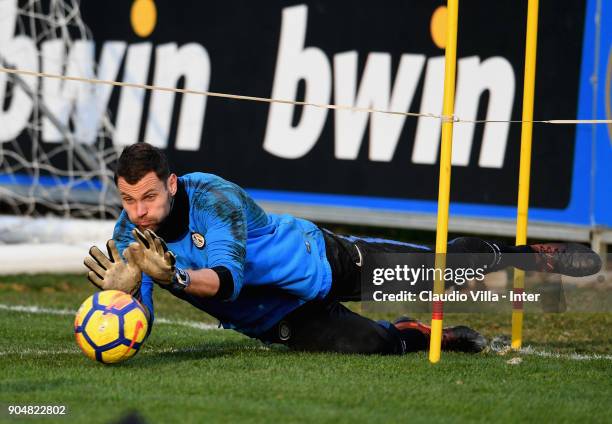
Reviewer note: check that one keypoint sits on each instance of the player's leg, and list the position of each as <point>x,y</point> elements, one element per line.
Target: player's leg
<point>563,258</point>
<point>347,254</point>
<point>331,327</point>
<point>458,339</point>
<point>571,259</point>
<point>345,261</point>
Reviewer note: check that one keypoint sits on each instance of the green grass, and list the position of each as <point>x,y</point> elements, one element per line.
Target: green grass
<point>188,375</point>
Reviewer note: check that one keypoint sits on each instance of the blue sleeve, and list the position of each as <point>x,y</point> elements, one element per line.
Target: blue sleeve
<point>224,221</point>
<point>145,296</point>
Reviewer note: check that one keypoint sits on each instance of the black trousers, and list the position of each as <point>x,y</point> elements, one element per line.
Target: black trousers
<point>328,326</point>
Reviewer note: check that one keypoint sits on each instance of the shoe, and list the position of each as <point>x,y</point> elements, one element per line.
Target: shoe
<point>573,259</point>
<point>455,339</point>
<point>463,339</point>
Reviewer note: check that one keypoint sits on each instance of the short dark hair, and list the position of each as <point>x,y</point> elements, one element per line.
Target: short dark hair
<point>138,160</point>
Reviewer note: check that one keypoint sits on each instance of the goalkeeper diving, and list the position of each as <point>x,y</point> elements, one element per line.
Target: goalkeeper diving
<point>276,278</point>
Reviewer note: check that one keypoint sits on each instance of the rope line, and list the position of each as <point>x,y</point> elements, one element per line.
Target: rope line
<point>443,118</point>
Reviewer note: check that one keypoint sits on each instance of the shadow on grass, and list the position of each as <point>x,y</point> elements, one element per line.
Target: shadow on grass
<point>213,350</point>
<point>238,350</point>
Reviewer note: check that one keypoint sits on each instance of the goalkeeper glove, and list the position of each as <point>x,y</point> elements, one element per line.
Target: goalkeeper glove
<point>112,273</point>
<point>152,256</point>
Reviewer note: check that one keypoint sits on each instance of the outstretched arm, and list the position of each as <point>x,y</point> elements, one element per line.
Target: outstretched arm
<point>224,219</point>
<point>158,263</point>
<point>204,282</point>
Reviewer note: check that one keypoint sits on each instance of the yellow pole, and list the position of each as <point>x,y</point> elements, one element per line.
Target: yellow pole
<point>525,164</point>
<point>435,344</point>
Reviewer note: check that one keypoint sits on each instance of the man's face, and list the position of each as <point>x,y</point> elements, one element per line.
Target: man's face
<point>147,202</point>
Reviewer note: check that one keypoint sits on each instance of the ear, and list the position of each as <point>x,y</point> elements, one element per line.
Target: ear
<point>172,184</point>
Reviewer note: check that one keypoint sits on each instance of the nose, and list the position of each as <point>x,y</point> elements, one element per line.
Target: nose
<point>141,209</point>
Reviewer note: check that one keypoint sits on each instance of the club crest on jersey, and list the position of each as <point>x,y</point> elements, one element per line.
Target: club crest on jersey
<point>198,240</point>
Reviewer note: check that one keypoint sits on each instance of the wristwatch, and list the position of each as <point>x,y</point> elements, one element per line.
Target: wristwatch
<point>181,279</point>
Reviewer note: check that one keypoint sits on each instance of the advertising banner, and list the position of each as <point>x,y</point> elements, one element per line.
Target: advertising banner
<point>387,57</point>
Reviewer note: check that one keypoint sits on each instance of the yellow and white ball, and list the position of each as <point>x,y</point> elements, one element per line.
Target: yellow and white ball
<point>110,326</point>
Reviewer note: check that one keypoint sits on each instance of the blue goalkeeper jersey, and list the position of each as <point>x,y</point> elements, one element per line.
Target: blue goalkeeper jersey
<point>277,262</point>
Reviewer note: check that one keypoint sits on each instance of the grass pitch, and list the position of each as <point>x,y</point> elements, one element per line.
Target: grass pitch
<point>186,374</point>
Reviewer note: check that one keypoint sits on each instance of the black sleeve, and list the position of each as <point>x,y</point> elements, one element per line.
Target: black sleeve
<point>226,283</point>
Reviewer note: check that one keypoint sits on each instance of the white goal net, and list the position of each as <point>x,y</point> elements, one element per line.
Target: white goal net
<point>55,146</point>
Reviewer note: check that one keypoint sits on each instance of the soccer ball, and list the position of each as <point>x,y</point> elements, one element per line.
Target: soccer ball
<point>110,326</point>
